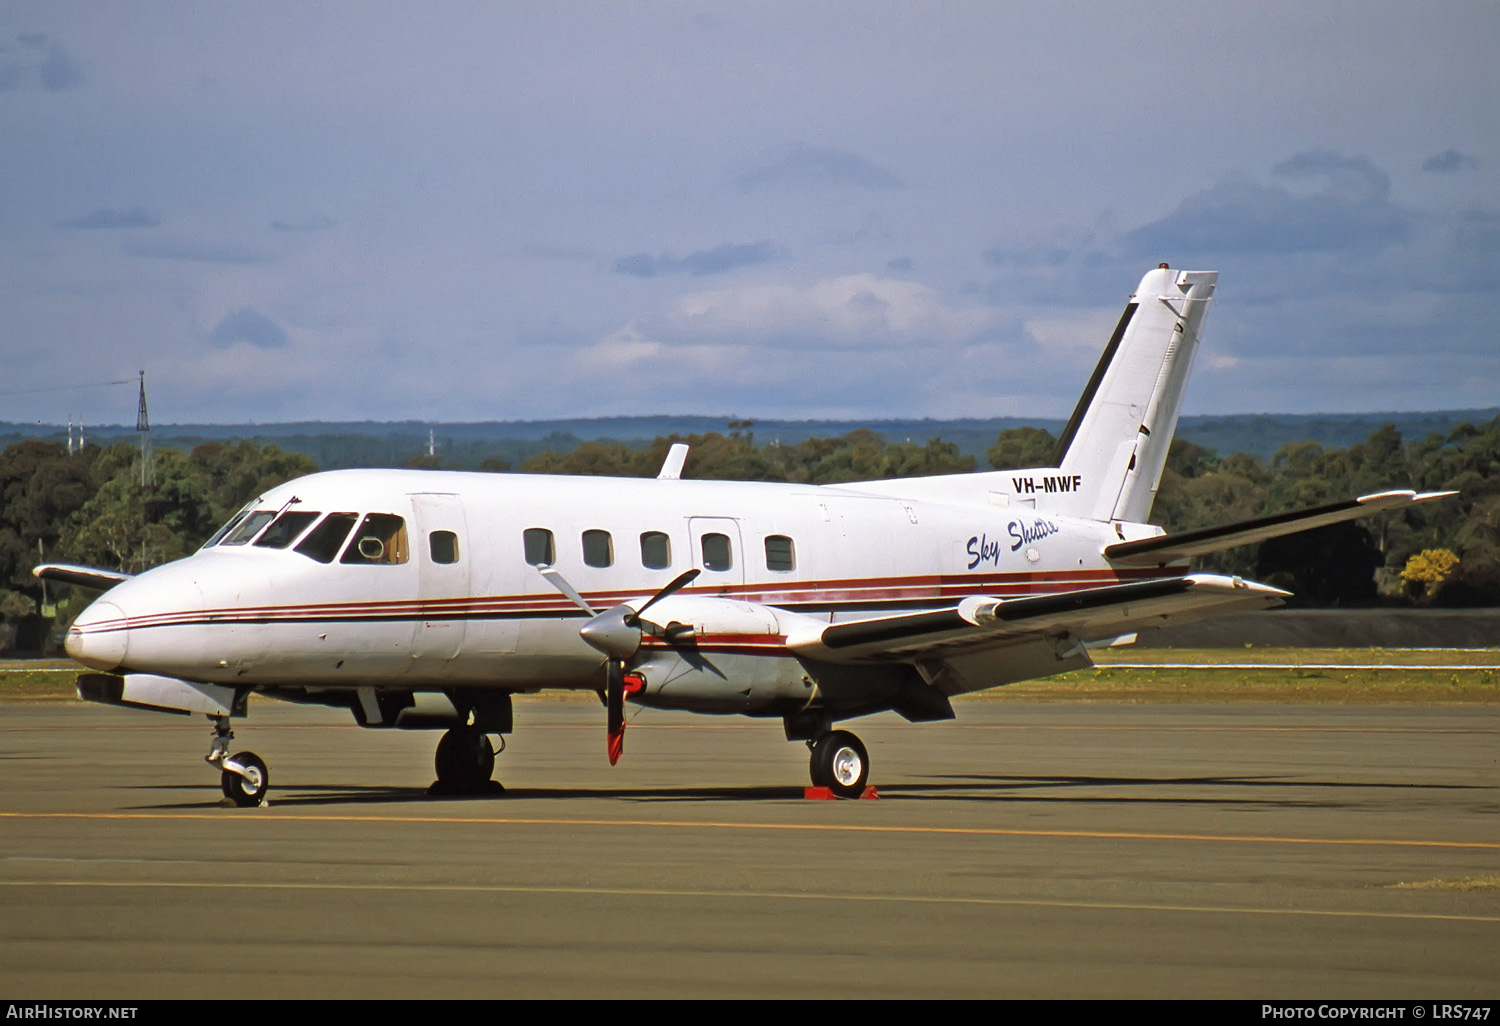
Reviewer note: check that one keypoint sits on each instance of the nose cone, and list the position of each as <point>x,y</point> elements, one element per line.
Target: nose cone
<point>99,637</point>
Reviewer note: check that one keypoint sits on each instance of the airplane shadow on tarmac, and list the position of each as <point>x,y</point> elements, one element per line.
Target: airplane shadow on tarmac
<point>1275,792</point>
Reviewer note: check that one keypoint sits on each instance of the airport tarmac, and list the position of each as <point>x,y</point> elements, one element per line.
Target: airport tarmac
<point>1023,851</point>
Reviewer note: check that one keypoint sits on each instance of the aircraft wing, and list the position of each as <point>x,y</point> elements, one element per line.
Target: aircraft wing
<point>1169,548</point>
<point>83,576</point>
<point>985,641</point>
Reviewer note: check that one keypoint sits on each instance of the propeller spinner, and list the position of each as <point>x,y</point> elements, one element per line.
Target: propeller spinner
<point>617,633</point>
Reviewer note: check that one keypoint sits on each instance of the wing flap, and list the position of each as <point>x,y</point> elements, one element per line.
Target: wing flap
<point>1075,617</point>
<point>1169,548</point>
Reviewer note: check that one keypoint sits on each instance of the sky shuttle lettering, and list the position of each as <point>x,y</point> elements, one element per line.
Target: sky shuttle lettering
<point>1048,484</point>
<point>982,550</point>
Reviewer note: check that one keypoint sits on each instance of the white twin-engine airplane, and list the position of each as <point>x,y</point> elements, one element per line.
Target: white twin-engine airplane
<point>426,599</point>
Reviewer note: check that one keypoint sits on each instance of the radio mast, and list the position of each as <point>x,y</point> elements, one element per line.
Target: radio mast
<point>143,428</point>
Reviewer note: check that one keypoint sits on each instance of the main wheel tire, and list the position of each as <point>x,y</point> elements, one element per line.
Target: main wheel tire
<point>246,792</point>
<point>841,764</point>
<point>465,760</point>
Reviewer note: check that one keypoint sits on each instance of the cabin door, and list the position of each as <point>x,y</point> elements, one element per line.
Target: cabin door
<point>440,545</point>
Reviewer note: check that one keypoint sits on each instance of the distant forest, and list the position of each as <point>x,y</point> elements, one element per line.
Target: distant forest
<point>91,507</point>
<point>467,446</point>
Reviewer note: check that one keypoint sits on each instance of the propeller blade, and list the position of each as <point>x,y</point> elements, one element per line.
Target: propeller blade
<point>560,582</point>
<point>614,700</point>
<point>617,631</point>
<point>680,581</point>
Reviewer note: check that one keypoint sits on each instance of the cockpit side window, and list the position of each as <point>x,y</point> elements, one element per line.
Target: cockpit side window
<point>324,541</point>
<point>286,529</point>
<point>230,526</point>
<point>380,540</point>
<point>249,527</point>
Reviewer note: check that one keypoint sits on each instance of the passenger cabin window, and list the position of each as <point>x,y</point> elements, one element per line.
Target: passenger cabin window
<point>324,541</point>
<point>717,552</point>
<point>443,546</point>
<point>380,540</point>
<point>780,555</point>
<point>286,529</point>
<point>540,550</point>
<point>656,550</point>
<point>598,548</point>
<point>249,527</point>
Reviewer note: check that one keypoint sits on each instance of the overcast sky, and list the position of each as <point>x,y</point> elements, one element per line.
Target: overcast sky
<point>498,211</point>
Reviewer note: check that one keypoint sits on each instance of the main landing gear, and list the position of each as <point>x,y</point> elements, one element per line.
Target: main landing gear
<point>840,763</point>
<point>464,761</point>
<point>243,777</point>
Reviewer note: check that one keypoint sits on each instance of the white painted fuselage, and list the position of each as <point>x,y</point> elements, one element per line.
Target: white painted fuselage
<point>247,614</point>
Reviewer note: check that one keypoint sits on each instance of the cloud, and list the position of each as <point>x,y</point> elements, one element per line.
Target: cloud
<point>1479,232</point>
<point>1026,256</point>
<point>1449,161</point>
<point>800,165</point>
<point>859,309</point>
<point>248,325</point>
<point>1332,203</point>
<point>109,218</point>
<point>311,224</point>
<point>34,59</point>
<point>704,262</point>
<point>200,252</point>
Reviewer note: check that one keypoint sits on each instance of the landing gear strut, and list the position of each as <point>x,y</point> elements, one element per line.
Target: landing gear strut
<point>243,777</point>
<point>464,761</point>
<point>840,763</point>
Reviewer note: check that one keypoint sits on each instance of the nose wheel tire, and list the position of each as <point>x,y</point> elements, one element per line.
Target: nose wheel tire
<point>840,763</point>
<point>465,760</point>
<point>250,789</point>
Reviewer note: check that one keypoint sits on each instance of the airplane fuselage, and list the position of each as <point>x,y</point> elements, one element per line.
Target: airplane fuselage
<point>458,600</point>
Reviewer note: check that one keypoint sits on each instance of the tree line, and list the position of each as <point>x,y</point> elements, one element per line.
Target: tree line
<point>94,508</point>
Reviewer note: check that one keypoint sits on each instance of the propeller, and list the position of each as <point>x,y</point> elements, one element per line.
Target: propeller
<point>617,633</point>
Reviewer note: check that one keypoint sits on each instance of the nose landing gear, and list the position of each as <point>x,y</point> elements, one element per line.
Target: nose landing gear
<point>243,777</point>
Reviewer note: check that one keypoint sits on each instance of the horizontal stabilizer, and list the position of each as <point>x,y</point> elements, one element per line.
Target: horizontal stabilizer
<point>83,576</point>
<point>1169,548</point>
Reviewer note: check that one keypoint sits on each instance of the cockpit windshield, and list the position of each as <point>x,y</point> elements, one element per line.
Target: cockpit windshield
<point>380,538</point>
<point>324,541</point>
<point>286,529</point>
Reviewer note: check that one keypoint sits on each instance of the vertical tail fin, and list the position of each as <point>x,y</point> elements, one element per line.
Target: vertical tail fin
<point>1116,442</point>
<point>1113,449</point>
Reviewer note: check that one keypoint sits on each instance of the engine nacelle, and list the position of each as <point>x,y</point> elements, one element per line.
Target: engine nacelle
<point>720,655</point>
